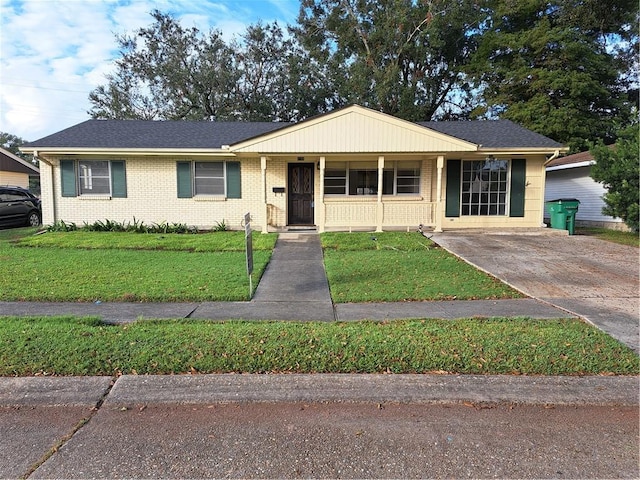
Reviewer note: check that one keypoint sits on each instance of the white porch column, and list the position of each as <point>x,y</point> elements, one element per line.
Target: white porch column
<point>440,165</point>
<point>380,207</point>
<point>320,206</point>
<point>265,207</point>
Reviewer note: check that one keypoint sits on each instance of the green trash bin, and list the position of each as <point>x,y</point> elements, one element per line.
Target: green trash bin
<point>562,213</point>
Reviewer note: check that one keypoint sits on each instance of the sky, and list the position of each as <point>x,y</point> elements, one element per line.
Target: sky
<point>53,53</point>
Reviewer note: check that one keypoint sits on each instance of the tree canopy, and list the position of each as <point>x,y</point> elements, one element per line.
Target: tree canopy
<point>618,169</point>
<point>563,68</point>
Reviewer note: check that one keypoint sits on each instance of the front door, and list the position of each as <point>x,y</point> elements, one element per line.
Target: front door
<point>300,204</point>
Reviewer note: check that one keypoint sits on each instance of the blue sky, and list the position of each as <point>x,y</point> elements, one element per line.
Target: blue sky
<point>54,52</point>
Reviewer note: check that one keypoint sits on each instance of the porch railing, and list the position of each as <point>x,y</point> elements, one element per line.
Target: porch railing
<point>395,214</point>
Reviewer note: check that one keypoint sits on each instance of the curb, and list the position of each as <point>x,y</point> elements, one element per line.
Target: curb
<point>320,388</point>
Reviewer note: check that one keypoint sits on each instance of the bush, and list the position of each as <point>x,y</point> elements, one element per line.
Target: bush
<point>113,226</point>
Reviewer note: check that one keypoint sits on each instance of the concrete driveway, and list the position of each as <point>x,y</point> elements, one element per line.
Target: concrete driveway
<point>591,278</point>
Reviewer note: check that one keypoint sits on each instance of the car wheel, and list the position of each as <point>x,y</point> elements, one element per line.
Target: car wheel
<point>33,220</point>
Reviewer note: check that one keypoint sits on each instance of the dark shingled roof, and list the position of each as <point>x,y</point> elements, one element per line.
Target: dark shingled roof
<point>493,133</point>
<point>212,135</point>
<point>155,134</point>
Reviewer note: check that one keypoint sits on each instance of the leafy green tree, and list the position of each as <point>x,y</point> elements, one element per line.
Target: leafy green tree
<point>618,169</point>
<point>11,142</point>
<point>398,56</point>
<point>562,68</point>
<point>166,71</point>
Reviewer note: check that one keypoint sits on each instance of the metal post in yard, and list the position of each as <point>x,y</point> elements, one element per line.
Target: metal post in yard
<point>249,250</point>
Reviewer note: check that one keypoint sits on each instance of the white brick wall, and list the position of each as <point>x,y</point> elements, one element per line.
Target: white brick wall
<point>152,197</point>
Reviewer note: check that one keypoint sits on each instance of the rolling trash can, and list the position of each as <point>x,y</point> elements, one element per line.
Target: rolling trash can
<point>562,213</point>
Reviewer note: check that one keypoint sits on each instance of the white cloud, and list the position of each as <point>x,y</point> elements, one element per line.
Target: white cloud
<point>55,52</point>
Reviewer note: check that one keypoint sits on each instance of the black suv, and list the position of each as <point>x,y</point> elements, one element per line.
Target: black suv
<point>19,206</point>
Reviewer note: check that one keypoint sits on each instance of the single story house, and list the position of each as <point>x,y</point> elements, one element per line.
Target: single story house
<point>353,168</point>
<point>15,171</point>
<point>569,177</point>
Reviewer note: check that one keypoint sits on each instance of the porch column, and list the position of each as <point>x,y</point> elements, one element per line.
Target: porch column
<point>320,206</point>
<point>440,165</point>
<point>265,207</point>
<point>380,206</point>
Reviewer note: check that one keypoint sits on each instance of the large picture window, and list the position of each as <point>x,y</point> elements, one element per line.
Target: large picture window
<point>484,187</point>
<point>361,178</point>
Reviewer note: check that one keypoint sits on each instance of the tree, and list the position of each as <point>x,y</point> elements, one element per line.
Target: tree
<point>618,169</point>
<point>168,72</point>
<point>398,56</point>
<point>11,143</point>
<point>561,68</point>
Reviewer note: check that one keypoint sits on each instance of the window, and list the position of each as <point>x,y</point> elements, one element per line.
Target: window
<point>484,187</point>
<point>361,178</point>
<point>95,178</point>
<point>209,178</point>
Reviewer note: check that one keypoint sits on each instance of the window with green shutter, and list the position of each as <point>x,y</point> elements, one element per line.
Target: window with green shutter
<point>452,207</point>
<point>209,178</point>
<point>93,177</point>
<point>68,178</point>
<point>518,182</point>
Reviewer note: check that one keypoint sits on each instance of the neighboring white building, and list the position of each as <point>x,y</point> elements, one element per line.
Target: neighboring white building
<point>569,177</point>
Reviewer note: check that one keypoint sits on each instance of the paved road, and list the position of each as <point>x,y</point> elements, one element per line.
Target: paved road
<point>594,279</point>
<point>301,440</point>
<point>325,426</point>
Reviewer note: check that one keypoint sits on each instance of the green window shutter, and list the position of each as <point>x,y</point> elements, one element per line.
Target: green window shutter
<point>118,179</point>
<point>452,208</point>
<point>185,185</point>
<point>233,180</point>
<point>518,177</point>
<point>68,178</point>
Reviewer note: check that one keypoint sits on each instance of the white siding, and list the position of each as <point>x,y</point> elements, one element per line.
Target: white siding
<point>576,183</point>
<point>355,131</point>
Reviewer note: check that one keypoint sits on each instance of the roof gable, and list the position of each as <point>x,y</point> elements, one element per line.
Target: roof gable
<point>354,129</point>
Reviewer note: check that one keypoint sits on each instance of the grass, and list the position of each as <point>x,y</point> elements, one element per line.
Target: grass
<point>394,266</point>
<point>71,346</point>
<point>616,236</point>
<point>106,266</point>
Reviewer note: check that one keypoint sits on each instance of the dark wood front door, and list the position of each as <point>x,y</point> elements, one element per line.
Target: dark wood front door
<point>300,194</point>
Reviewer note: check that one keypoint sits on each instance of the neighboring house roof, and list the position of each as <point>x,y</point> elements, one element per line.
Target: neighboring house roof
<point>493,133</point>
<point>150,134</point>
<point>582,159</point>
<point>10,162</point>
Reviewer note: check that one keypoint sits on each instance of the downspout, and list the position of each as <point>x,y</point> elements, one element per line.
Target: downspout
<point>555,155</point>
<point>52,193</point>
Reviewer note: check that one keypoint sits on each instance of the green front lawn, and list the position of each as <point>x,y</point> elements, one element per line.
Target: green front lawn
<point>393,266</point>
<point>616,236</point>
<point>71,346</point>
<point>106,266</point>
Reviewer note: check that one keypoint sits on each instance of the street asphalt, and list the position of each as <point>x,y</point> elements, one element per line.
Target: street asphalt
<point>69,427</point>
